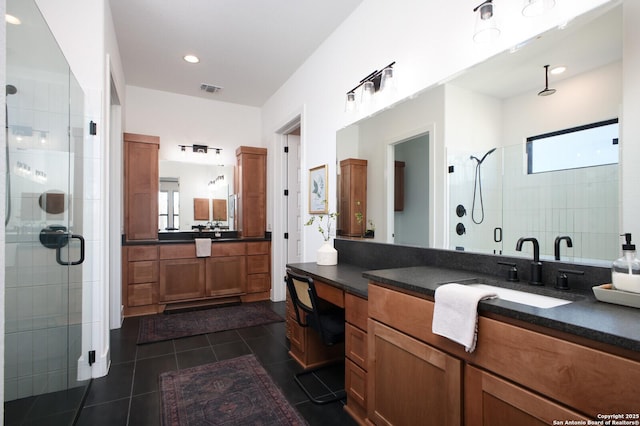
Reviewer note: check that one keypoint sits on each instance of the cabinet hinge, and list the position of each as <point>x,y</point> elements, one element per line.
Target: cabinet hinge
<point>286,235</point>
<point>286,149</point>
<point>92,357</point>
<point>286,192</point>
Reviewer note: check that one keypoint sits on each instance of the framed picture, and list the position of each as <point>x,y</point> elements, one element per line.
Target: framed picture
<point>318,190</point>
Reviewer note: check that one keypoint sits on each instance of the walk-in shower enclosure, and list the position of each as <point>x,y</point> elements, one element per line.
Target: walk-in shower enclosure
<point>47,334</point>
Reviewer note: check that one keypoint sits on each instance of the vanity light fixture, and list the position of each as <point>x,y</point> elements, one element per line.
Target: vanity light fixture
<point>378,81</point>
<point>219,178</point>
<point>486,29</point>
<point>200,149</point>
<point>546,91</point>
<point>533,8</point>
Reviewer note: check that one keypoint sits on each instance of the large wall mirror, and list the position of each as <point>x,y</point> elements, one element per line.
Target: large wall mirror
<point>195,195</point>
<point>463,145</point>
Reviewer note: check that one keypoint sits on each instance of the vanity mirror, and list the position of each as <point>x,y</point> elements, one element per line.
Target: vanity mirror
<point>185,186</point>
<point>443,134</point>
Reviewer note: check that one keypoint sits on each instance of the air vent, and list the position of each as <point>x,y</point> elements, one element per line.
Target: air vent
<point>210,88</point>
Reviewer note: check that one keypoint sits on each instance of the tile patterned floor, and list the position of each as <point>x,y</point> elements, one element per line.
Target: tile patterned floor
<point>128,395</point>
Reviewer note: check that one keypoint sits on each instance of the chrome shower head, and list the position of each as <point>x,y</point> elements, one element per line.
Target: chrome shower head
<point>11,89</point>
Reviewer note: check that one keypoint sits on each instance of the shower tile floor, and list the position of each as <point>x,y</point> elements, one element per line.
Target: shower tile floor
<point>128,395</point>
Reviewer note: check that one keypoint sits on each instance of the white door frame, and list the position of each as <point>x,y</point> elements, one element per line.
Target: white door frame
<point>278,246</point>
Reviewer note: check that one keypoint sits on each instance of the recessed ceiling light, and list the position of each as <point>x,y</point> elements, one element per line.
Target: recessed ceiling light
<point>10,19</point>
<point>558,70</point>
<point>192,59</point>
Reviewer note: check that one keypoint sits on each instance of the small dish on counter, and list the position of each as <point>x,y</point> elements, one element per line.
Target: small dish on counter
<point>606,293</point>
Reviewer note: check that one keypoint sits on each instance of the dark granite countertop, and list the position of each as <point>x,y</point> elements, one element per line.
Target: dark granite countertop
<point>585,317</point>
<point>346,277</point>
<point>190,241</point>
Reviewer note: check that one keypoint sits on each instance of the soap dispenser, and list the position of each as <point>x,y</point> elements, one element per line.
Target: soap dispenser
<point>625,272</point>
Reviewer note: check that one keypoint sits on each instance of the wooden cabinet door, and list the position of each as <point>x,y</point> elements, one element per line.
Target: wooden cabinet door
<point>181,279</point>
<point>141,186</point>
<point>353,197</point>
<point>226,275</point>
<point>355,384</point>
<point>492,401</point>
<point>252,191</point>
<point>410,382</point>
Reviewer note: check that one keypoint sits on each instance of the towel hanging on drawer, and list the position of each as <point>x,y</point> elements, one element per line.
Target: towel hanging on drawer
<point>203,247</point>
<point>455,315</point>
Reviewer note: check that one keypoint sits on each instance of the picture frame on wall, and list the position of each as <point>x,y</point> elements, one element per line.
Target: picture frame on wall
<point>318,190</point>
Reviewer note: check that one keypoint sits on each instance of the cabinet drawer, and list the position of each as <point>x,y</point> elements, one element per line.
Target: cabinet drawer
<point>258,264</point>
<point>330,293</point>
<point>355,384</point>
<point>136,253</point>
<point>178,251</point>
<point>143,272</point>
<point>228,249</point>
<point>356,311</point>
<point>258,248</point>
<point>356,345</point>
<point>142,294</point>
<point>258,282</point>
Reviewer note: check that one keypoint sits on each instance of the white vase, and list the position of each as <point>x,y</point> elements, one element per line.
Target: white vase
<point>327,255</point>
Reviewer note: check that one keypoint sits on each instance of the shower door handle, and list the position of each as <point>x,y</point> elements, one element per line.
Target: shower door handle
<point>63,242</point>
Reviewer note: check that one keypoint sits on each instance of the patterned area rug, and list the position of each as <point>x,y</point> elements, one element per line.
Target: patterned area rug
<point>165,327</point>
<point>237,391</point>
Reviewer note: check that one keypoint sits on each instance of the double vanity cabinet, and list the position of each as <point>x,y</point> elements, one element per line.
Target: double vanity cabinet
<point>397,372</point>
<point>159,275</point>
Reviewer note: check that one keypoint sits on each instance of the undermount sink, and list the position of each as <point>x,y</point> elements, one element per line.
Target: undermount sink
<point>531,299</point>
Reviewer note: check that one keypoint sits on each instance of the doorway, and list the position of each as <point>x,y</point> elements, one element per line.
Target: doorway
<point>287,239</point>
<point>411,192</point>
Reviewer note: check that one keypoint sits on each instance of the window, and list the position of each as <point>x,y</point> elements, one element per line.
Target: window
<point>169,204</point>
<point>590,145</point>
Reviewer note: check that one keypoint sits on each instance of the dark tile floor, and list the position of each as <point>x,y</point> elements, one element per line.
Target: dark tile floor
<point>128,395</point>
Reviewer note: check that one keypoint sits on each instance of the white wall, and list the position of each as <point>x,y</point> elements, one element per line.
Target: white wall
<point>187,120</point>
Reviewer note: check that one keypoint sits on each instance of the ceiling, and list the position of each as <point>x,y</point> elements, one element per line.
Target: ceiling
<point>586,43</point>
<point>247,47</point>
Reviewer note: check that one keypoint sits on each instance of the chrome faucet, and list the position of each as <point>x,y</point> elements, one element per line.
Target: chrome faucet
<point>556,245</point>
<point>536,265</point>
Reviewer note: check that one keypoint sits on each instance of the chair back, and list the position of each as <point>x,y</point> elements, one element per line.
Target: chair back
<point>303,295</point>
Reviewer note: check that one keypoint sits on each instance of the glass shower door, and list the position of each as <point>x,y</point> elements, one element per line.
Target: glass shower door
<point>45,340</point>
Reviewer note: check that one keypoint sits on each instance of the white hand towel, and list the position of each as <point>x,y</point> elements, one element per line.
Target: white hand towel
<point>455,315</point>
<point>203,247</point>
